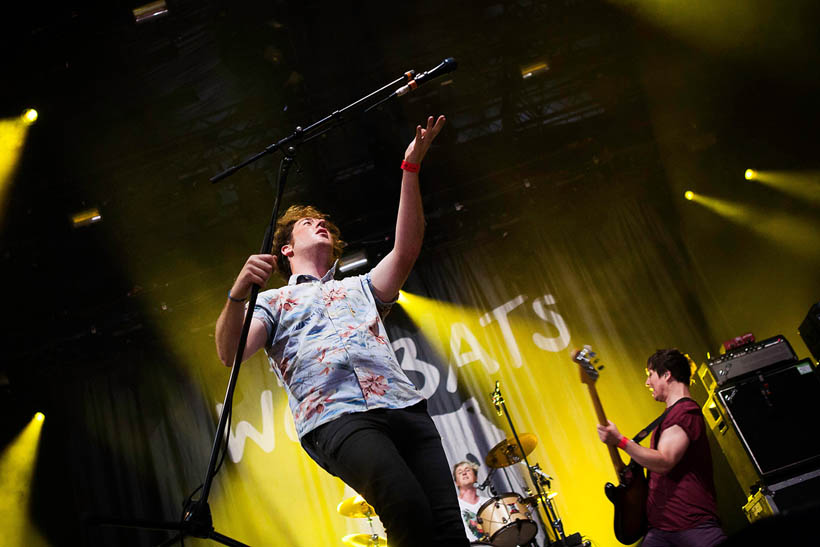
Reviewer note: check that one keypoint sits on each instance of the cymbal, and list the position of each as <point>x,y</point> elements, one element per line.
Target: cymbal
<point>507,452</point>
<point>355,507</point>
<point>533,500</point>
<point>364,540</point>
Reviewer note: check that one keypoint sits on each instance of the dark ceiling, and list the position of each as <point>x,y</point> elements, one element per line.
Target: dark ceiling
<point>136,118</point>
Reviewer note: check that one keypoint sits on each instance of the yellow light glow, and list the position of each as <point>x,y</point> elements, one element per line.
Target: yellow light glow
<point>798,184</point>
<point>689,194</point>
<point>30,116</point>
<point>750,174</point>
<point>789,230</point>
<point>12,136</point>
<point>402,297</point>
<point>17,463</point>
<point>39,416</point>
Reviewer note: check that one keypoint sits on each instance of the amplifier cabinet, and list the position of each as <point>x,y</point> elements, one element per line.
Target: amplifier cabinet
<point>774,414</point>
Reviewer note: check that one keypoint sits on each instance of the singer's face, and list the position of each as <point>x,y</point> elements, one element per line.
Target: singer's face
<point>465,475</point>
<point>310,233</point>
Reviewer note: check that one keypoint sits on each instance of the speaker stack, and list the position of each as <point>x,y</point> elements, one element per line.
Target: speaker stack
<point>762,409</point>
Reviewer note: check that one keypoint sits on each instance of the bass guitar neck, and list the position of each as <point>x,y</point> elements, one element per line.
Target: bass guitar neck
<point>617,462</point>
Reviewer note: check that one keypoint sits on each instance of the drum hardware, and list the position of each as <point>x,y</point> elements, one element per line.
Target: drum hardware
<point>543,478</point>
<point>535,500</point>
<point>487,483</point>
<point>357,507</point>
<point>518,453</point>
<point>364,540</point>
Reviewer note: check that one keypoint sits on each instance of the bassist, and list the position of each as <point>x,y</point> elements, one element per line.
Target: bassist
<point>681,507</point>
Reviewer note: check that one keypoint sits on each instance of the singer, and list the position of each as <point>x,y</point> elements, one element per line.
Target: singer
<point>356,412</point>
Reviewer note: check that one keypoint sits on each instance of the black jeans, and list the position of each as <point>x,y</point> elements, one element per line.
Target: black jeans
<point>395,460</point>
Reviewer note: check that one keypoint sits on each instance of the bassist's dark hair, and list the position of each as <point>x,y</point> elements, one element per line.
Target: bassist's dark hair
<point>679,365</point>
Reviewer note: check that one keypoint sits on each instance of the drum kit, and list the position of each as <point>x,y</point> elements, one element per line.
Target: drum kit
<point>506,519</point>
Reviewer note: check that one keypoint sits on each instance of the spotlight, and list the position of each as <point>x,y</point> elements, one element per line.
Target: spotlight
<point>402,297</point>
<point>689,194</point>
<point>352,261</point>
<point>533,69</point>
<point>39,416</point>
<point>30,116</point>
<point>84,218</point>
<point>750,174</point>
<point>149,12</point>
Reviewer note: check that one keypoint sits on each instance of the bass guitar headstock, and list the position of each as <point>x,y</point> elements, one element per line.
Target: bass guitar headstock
<point>588,361</point>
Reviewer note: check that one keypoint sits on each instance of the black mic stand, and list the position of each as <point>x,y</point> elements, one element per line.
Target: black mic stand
<point>486,482</point>
<point>196,518</point>
<point>552,517</point>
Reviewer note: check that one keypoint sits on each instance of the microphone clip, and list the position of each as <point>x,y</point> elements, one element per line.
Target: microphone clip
<point>497,399</point>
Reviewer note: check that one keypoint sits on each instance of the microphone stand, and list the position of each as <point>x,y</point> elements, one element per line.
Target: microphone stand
<point>486,482</point>
<point>196,518</point>
<point>552,517</point>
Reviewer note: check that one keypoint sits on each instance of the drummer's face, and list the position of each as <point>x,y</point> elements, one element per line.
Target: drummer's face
<point>465,475</point>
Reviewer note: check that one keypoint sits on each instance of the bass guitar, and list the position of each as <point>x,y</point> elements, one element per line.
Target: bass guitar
<point>629,497</point>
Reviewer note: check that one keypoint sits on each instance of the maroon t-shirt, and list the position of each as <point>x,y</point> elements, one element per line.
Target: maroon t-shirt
<point>685,496</point>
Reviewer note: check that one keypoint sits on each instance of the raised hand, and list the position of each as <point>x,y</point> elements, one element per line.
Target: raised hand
<point>417,149</point>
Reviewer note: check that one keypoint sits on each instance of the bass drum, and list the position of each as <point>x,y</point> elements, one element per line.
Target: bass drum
<point>507,521</point>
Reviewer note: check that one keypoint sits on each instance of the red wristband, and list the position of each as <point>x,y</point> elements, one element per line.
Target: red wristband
<point>622,442</point>
<point>412,167</point>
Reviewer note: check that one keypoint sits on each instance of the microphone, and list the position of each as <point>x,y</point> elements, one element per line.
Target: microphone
<point>447,65</point>
<point>537,469</point>
<point>543,477</point>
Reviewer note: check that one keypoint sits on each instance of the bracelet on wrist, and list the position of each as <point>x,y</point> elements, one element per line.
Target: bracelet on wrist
<point>411,167</point>
<point>622,442</point>
<point>234,299</point>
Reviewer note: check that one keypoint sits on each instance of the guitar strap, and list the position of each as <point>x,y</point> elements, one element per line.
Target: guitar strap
<point>643,433</point>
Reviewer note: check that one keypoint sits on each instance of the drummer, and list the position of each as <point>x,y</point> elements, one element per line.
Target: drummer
<point>465,474</point>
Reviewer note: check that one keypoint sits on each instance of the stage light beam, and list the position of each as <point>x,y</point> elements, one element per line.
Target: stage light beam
<point>17,463</point>
<point>750,174</point>
<point>793,232</point>
<point>804,184</point>
<point>689,195</point>
<point>12,137</point>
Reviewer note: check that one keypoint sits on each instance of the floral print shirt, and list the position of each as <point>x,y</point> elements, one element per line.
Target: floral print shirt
<point>328,347</point>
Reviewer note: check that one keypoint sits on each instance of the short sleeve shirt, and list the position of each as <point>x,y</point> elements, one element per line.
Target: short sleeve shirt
<point>327,345</point>
<point>684,497</point>
<point>469,516</point>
